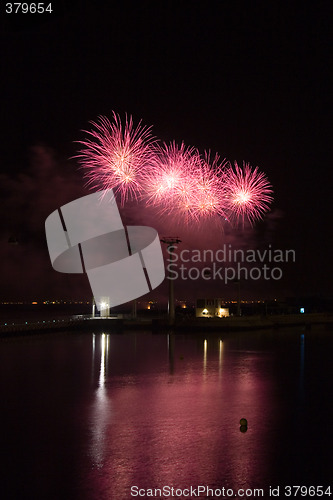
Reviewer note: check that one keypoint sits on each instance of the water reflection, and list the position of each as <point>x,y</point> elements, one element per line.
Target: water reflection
<point>204,358</point>
<point>302,357</point>
<point>105,339</point>
<point>101,414</point>
<point>179,425</point>
<point>162,410</point>
<point>171,350</point>
<point>220,357</point>
<point>93,357</point>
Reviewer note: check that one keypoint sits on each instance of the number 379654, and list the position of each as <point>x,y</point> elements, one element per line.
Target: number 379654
<point>28,8</point>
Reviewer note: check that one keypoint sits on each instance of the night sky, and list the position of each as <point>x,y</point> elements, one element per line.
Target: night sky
<point>249,80</point>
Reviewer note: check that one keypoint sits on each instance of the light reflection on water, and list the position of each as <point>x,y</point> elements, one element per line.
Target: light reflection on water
<point>220,357</point>
<point>181,427</point>
<point>103,412</point>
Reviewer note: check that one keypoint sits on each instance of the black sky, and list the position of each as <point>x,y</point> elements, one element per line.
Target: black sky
<point>250,80</point>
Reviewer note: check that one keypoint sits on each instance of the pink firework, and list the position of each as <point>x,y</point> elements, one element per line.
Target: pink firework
<point>248,193</point>
<point>117,155</point>
<point>171,180</point>
<point>208,199</point>
<point>185,185</point>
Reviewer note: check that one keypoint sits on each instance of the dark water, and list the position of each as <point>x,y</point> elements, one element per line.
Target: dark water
<point>88,416</point>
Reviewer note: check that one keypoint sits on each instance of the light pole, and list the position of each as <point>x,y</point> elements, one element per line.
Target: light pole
<point>171,241</point>
<point>134,313</point>
<point>238,298</point>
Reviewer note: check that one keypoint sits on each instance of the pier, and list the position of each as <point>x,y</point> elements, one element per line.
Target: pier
<point>120,324</point>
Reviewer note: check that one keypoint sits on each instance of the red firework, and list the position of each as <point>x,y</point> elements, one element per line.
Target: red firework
<point>171,179</point>
<point>248,193</point>
<point>208,198</point>
<point>117,156</point>
<point>176,179</point>
<point>185,185</point>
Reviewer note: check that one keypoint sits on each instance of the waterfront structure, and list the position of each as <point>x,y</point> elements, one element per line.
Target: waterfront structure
<point>171,241</point>
<point>211,308</point>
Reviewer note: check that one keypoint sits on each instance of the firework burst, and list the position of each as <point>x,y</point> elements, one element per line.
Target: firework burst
<point>175,179</point>
<point>171,180</point>
<point>208,198</point>
<point>248,193</point>
<point>116,156</point>
<point>186,185</point>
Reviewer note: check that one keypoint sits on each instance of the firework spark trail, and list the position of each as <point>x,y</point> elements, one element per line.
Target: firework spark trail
<point>175,179</point>
<point>172,181</point>
<point>183,184</point>
<point>116,157</point>
<point>248,193</point>
<point>208,198</point>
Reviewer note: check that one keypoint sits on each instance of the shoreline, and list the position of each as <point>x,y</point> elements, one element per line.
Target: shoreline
<point>115,325</point>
